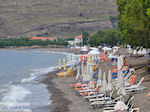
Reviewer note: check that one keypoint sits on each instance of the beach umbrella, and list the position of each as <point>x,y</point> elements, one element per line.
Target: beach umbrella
<point>110,86</point>
<point>91,84</point>
<point>68,59</point>
<point>78,72</point>
<point>73,58</point>
<point>86,76</point>
<point>120,85</point>
<point>82,68</point>
<point>104,84</point>
<point>59,64</point>
<point>99,82</point>
<point>121,90</point>
<point>87,68</point>
<point>64,63</point>
<point>119,66</point>
<point>121,107</point>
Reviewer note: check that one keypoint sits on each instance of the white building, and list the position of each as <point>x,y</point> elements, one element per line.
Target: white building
<point>77,40</point>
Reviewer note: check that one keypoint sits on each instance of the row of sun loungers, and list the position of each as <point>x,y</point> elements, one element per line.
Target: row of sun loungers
<point>98,99</point>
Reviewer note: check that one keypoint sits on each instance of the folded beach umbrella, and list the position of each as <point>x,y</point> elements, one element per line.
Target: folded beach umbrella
<point>82,70</point>
<point>121,90</point>
<point>87,68</point>
<point>59,64</point>
<point>110,85</point>
<point>86,75</point>
<point>91,83</point>
<point>119,66</point>
<point>99,82</point>
<point>104,84</point>
<point>120,85</point>
<point>78,72</point>
<point>68,59</point>
<point>64,60</point>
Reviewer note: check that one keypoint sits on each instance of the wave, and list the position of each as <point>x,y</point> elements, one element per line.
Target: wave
<point>15,94</point>
<point>37,72</point>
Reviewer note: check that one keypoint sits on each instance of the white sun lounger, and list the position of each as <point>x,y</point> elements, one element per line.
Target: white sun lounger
<point>99,99</point>
<point>111,106</point>
<point>104,102</point>
<point>94,96</point>
<point>136,87</point>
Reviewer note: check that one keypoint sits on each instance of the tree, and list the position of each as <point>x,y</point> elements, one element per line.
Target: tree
<point>97,38</point>
<point>113,37</point>
<point>134,21</point>
<point>85,37</point>
<point>110,37</point>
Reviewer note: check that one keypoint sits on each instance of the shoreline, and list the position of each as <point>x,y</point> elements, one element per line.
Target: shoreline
<point>65,50</point>
<point>59,103</point>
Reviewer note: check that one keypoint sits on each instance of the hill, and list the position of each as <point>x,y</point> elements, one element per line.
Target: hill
<point>59,18</point>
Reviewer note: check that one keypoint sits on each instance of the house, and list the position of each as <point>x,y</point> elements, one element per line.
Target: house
<point>43,38</point>
<point>77,40</point>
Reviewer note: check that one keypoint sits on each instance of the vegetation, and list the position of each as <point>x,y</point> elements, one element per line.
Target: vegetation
<point>27,42</point>
<point>85,37</point>
<point>113,20</point>
<point>110,37</point>
<point>134,21</point>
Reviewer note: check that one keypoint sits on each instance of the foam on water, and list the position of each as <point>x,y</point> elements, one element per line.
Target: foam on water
<point>15,94</point>
<point>36,72</point>
<point>25,80</point>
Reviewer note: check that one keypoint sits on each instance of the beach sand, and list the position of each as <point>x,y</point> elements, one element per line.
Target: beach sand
<point>66,99</point>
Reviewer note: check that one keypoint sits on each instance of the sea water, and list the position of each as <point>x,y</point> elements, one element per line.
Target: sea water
<point>20,72</point>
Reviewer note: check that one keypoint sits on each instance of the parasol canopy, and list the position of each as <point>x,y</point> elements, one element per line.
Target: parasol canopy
<point>121,106</point>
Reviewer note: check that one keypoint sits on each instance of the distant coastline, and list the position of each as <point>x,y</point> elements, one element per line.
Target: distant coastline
<point>67,50</point>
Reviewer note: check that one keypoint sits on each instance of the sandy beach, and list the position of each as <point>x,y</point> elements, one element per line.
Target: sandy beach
<point>66,99</point>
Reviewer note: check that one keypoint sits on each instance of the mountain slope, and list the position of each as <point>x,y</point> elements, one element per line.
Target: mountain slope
<point>54,17</point>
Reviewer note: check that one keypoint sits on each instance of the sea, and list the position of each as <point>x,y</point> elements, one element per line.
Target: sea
<point>20,72</point>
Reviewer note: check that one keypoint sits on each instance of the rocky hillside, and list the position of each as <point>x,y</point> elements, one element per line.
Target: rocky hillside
<point>60,18</point>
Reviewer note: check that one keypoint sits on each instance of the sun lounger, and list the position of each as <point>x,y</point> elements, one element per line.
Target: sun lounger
<point>135,110</point>
<point>78,85</point>
<point>89,91</point>
<point>94,96</point>
<point>99,99</point>
<point>136,87</point>
<point>109,111</point>
<point>105,102</point>
<point>111,106</point>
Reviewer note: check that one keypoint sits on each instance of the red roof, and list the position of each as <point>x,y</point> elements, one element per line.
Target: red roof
<point>79,37</point>
<point>42,38</point>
